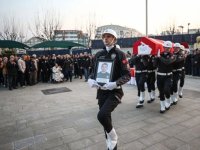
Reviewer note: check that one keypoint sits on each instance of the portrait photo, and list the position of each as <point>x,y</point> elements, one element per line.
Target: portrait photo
<point>104,71</point>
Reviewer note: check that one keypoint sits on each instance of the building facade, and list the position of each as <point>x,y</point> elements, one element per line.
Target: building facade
<point>122,32</point>
<point>76,36</point>
<point>33,41</point>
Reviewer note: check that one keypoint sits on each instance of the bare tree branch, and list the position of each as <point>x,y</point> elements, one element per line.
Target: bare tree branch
<point>11,30</point>
<point>45,25</point>
<point>90,29</point>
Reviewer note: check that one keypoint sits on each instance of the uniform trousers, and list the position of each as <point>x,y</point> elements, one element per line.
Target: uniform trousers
<point>182,78</point>
<point>175,79</point>
<point>151,79</point>
<point>141,78</point>
<point>164,84</point>
<point>106,106</point>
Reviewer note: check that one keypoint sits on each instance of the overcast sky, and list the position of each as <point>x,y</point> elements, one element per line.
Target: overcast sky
<point>75,14</point>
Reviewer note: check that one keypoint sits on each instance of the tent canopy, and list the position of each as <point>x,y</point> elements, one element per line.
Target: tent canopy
<point>154,44</point>
<point>56,44</point>
<point>12,44</point>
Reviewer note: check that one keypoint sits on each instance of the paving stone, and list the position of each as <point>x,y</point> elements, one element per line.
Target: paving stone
<point>133,145</point>
<point>157,147</point>
<point>177,119</point>
<point>71,138</point>
<point>9,146</point>
<point>98,138</point>
<point>97,146</point>
<point>52,143</point>
<point>22,134</point>
<point>132,136</point>
<point>152,139</point>
<point>136,125</point>
<point>6,139</point>
<point>33,121</point>
<point>88,133</point>
<point>54,135</point>
<point>81,144</point>
<point>194,113</point>
<point>184,147</point>
<point>62,147</point>
<point>191,122</point>
<point>195,144</point>
<point>24,143</point>
<point>152,128</point>
<point>40,139</point>
<point>190,134</point>
<point>173,130</point>
<point>172,143</point>
<point>69,131</point>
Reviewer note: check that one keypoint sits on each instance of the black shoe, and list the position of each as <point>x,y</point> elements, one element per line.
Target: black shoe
<point>140,104</point>
<point>10,89</point>
<point>115,148</point>
<point>174,103</point>
<point>180,96</point>
<point>162,111</point>
<point>167,108</point>
<point>150,101</point>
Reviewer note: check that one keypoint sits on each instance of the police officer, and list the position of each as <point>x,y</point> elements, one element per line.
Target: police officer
<point>141,63</point>
<point>109,95</point>
<point>182,77</point>
<point>151,79</point>
<point>177,70</point>
<point>164,75</point>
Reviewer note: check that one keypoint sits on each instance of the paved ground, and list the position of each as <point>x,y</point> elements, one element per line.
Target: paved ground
<point>67,121</point>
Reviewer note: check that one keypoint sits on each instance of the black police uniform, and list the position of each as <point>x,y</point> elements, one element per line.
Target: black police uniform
<point>177,70</point>
<point>164,64</point>
<point>151,79</point>
<point>141,63</point>
<point>109,99</point>
<point>182,77</point>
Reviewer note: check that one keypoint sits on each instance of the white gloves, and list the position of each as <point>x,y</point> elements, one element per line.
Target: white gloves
<point>109,86</point>
<point>93,84</point>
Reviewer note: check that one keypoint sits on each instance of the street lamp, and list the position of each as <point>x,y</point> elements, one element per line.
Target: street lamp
<point>146,17</point>
<point>188,27</point>
<point>181,28</point>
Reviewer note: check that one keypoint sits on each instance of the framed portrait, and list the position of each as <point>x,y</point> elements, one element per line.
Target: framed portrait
<point>104,71</point>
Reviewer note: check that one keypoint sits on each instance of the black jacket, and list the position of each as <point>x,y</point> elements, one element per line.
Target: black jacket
<point>12,68</point>
<point>140,62</point>
<point>164,62</point>
<point>120,73</point>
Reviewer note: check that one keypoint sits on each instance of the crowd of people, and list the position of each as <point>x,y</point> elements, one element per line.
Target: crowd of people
<point>29,70</point>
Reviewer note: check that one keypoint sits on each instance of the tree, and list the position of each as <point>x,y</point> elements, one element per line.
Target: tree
<point>90,29</point>
<point>11,30</point>
<point>170,29</point>
<point>45,25</point>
